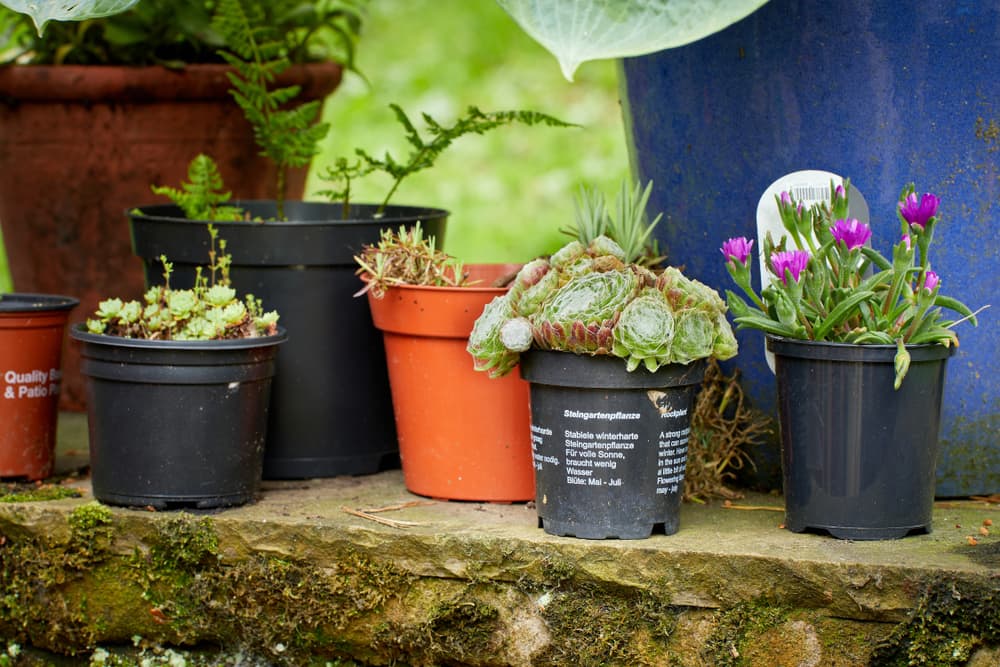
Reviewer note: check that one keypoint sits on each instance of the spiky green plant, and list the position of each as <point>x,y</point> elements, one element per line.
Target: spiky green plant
<point>625,222</point>
<point>406,257</point>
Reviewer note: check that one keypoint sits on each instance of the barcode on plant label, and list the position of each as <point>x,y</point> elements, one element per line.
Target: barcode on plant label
<point>810,194</point>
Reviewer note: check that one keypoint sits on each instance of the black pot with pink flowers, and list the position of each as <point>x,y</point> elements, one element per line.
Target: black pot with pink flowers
<point>860,343</point>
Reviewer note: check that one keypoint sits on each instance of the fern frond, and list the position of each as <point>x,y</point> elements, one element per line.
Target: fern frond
<point>424,153</point>
<point>202,196</point>
<point>286,133</point>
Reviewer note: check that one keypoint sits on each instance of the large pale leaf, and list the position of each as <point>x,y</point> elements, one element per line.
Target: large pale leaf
<point>579,30</point>
<point>43,11</point>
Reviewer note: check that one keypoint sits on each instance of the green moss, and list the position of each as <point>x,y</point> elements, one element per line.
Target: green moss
<point>736,627</point>
<point>457,630</point>
<point>595,627</point>
<point>272,606</point>
<point>25,493</point>
<point>183,541</point>
<point>33,577</point>
<point>952,619</point>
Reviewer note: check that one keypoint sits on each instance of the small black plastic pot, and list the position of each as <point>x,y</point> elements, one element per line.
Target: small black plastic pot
<point>175,423</point>
<point>858,457</point>
<point>331,410</point>
<point>609,446</point>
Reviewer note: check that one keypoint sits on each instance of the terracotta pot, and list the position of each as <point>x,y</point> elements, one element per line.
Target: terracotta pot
<point>31,341</point>
<point>80,144</point>
<point>462,436</point>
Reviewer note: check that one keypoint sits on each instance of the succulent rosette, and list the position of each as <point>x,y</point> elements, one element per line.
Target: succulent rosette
<point>588,300</point>
<point>694,336</point>
<point>485,345</point>
<point>645,331</point>
<point>580,315</point>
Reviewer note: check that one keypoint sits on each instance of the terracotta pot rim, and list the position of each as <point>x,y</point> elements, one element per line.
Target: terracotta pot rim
<point>480,287</point>
<point>149,83</point>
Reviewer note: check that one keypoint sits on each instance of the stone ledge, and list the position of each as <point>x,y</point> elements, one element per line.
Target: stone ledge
<point>294,577</point>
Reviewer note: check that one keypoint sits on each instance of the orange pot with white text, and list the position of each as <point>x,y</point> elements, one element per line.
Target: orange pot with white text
<point>462,435</point>
<point>31,339</point>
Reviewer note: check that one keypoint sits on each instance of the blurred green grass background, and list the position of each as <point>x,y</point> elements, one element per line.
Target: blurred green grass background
<point>509,191</point>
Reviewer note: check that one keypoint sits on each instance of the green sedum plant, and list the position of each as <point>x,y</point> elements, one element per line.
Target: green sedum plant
<point>596,299</point>
<point>208,311</point>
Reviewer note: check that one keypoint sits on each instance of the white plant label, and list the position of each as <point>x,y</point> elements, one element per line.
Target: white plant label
<point>810,186</point>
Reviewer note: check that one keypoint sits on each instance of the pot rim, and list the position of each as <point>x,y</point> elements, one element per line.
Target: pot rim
<point>603,371</point>
<point>396,214</point>
<point>481,286</point>
<point>29,302</point>
<point>78,332</point>
<point>147,83</point>
<point>833,351</point>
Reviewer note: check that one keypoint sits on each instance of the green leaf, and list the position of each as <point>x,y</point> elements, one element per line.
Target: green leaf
<point>841,312</point>
<point>768,326</point>
<point>575,31</point>
<point>957,306</point>
<point>876,258</point>
<point>67,10</point>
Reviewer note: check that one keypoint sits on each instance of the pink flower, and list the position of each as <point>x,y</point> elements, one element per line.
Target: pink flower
<point>792,260</point>
<point>737,249</point>
<point>907,241</point>
<point>931,281</point>
<point>918,212</point>
<point>851,233</point>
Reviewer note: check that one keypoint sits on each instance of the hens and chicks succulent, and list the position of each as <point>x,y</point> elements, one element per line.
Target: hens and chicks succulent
<point>597,298</point>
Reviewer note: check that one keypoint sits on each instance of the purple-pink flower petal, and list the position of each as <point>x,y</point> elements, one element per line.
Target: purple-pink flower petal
<point>931,281</point>
<point>851,233</point>
<point>919,211</point>
<point>793,260</point>
<point>737,249</point>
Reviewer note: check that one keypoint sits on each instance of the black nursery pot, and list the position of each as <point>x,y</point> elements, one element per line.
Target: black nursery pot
<point>331,408</point>
<point>609,446</point>
<point>175,423</point>
<point>858,456</point>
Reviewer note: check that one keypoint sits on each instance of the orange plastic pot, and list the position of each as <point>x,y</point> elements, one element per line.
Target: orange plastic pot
<point>31,338</point>
<point>462,436</point>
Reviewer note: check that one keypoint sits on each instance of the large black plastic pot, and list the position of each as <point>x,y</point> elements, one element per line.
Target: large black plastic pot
<point>331,409</point>
<point>858,456</point>
<point>176,423</point>
<point>609,446</point>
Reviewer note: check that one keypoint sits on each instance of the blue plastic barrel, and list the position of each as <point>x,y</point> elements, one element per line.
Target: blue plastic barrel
<point>884,93</point>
